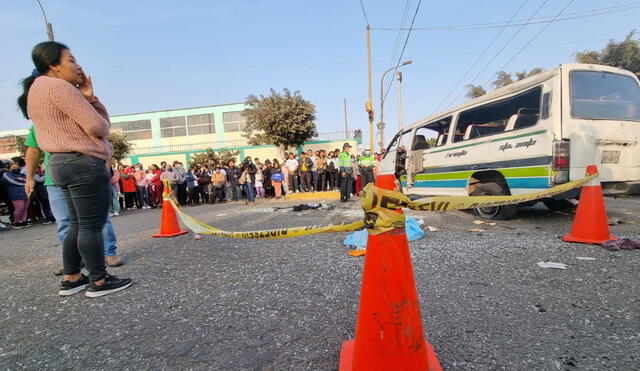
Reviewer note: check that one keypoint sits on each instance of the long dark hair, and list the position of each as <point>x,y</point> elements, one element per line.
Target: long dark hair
<point>45,54</point>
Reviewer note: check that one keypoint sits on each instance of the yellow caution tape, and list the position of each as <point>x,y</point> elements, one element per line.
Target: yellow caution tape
<point>380,211</point>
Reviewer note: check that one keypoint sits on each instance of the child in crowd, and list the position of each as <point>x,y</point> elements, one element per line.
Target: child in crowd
<point>258,185</point>
<point>14,182</point>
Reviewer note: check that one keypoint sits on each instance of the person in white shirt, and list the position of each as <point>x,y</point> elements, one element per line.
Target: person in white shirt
<point>292,166</point>
<point>314,168</point>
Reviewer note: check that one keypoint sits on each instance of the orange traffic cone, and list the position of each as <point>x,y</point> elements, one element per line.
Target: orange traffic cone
<point>590,224</point>
<point>169,226</point>
<point>389,333</point>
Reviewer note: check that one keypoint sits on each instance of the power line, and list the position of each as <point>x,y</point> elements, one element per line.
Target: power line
<point>504,46</point>
<point>481,56</point>
<point>396,47</point>
<point>535,36</point>
<point>403,48</point>
<point>541,20</point>
<point>364,12</point>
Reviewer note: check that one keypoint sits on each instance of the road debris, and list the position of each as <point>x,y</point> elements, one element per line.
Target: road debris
<point>585,258</point>
<point>476,230</point>
<point>552,265</point>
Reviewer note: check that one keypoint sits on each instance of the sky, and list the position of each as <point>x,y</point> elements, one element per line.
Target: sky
<point>155,55</point>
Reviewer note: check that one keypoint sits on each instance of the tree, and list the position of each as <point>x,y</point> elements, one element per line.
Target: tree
<point>20,146</point>
<point>524,74</point>
<point>502,79</point>
<point>284,120</point>
<point>625,54</point>
<point>475,91</point>
<point>221,156</point>
<point>121,146</point>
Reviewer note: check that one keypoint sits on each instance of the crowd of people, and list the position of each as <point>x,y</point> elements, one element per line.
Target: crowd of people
<point>135,187</point>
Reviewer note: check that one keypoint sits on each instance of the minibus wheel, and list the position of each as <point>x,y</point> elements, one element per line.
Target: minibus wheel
<point>496,212</point>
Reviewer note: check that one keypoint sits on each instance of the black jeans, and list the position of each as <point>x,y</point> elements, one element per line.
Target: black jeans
<point>367,177</point>
<point>320,181</point>
<point>333,180</point>
<point>305,180</point>
<point>293,182</point>
<point>43,198</point>
<point>345,186</point>
<point>85,183</point>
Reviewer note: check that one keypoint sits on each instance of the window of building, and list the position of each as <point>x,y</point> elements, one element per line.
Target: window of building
<point>8,144</point>
<point>134,130</point>
<point>518,112</point>
<point>233,121</point>
<point>173,127</point>
<point>201,124</point>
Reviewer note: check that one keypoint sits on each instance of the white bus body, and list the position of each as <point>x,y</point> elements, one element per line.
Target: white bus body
<point>529,136</point>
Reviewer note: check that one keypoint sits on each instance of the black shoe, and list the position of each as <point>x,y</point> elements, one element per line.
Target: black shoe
<point>68,288</point>
<point>111,284</point>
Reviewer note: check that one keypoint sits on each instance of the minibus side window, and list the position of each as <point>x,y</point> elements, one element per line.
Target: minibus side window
<point>546,106</point>
<point>435,134</point>
<point>518,112</point>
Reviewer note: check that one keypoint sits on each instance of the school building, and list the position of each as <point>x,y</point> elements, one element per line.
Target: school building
<point>178,134</point>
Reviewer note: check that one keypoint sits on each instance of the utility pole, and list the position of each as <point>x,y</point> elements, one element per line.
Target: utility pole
<point>381,123</point>
<point>46,22</point>
<point>369,104</point>
<point>346,125</point>
<point>400,105</point>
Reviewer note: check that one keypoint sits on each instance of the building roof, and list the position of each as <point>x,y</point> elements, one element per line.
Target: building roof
<point>175,109</point>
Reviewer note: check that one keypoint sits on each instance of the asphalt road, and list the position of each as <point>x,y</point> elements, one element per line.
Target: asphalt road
<point>223,304</point>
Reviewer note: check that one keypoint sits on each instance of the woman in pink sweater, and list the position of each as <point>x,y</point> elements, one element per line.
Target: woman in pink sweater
<point>73,126</point>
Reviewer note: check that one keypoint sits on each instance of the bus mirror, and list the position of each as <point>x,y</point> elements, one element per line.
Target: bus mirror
<point>419,142</point>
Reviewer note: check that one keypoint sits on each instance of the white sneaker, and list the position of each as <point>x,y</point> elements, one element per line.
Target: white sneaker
<point>115,213</point>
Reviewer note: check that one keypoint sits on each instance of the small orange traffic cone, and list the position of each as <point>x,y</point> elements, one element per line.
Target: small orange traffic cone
<point>169,226</point>
<point>389,333</point>
<point>590,224</point>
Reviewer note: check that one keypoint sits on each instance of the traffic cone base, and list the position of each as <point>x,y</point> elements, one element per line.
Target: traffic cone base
<point>169,226</point>
<point>346,357</point>
<point>590,224</point>
<point>169,234</point>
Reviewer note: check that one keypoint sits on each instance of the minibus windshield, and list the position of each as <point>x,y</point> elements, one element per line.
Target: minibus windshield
<point>604,96</point>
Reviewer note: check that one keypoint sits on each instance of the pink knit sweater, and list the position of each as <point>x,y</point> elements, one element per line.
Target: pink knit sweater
<point>66,121</point>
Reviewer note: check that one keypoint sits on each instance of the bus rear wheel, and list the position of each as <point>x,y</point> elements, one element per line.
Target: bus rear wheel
<point>496,212</point>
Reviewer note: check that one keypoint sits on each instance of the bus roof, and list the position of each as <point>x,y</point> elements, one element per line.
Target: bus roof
<point>517,86</point>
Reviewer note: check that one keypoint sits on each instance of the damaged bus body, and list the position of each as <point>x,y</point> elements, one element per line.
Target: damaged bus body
<point>528,136</point>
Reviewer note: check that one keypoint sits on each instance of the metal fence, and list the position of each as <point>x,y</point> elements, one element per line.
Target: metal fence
<point>231,144</point>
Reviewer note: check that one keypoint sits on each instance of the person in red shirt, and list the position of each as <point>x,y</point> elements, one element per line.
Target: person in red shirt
<point>128,187</point>
<point>155,186</point>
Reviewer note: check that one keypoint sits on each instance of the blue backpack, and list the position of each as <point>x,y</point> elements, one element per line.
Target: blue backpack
<point>277,177</point>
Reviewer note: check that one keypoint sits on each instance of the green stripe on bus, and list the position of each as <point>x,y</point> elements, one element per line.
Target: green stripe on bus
<point>490,141</point>
<point>507,173</point>
<point>525,171</point>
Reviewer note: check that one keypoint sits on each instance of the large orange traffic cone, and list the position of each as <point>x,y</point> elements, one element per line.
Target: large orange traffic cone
<point>389,333</point>
<point>590,224</point>
<point>169,226</point>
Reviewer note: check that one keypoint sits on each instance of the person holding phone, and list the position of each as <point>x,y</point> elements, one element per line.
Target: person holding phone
<point>73,126</point>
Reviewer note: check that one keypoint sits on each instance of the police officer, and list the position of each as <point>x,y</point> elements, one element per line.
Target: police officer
<point>346,173</point>
<point>367,162</point>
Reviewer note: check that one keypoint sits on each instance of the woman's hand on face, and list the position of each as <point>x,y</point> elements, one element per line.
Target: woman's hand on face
<point>86,87</point>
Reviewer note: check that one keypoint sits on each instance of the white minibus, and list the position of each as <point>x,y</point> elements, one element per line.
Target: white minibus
<point>528,136</point>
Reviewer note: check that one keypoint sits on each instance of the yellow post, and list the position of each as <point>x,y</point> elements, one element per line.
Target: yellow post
<point>369,105</point>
